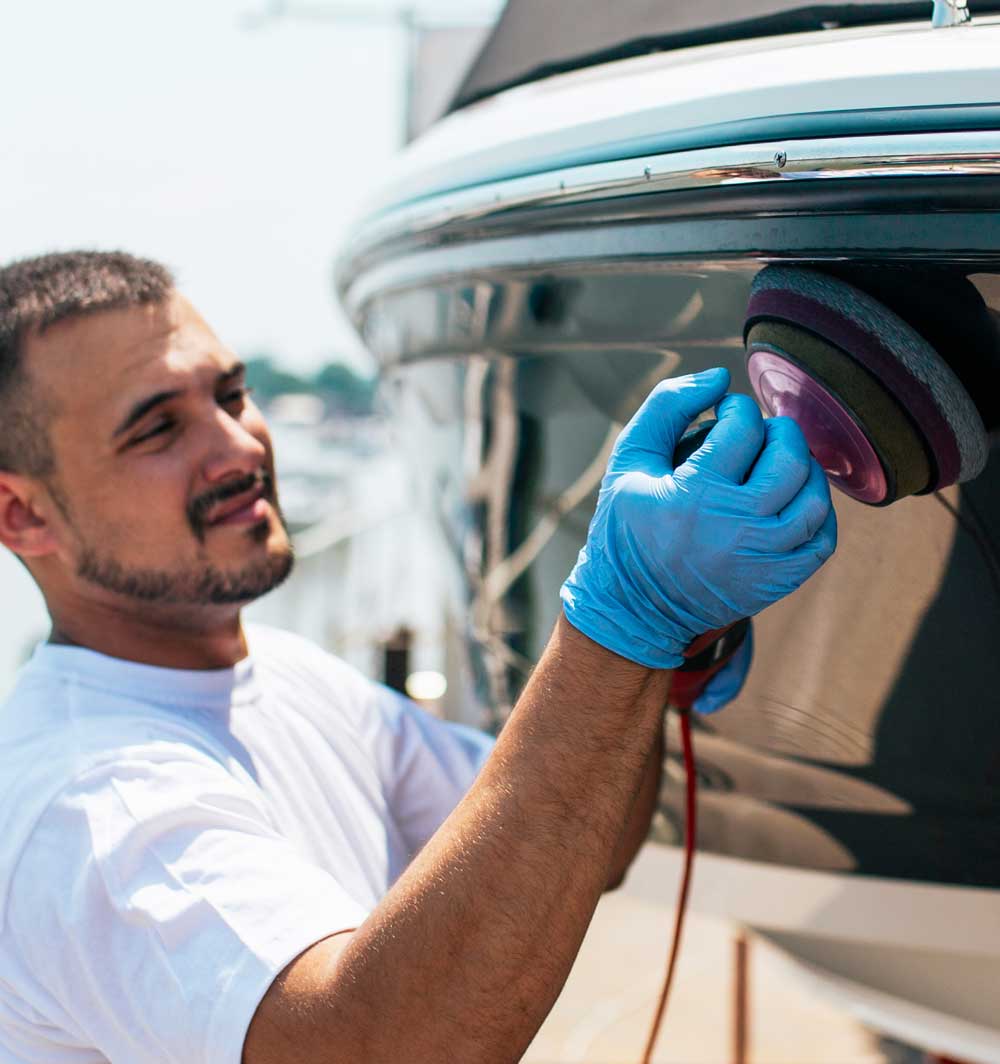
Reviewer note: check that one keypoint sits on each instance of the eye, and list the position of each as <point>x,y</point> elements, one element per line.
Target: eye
<point>236,395</point>
<point>158,430</point>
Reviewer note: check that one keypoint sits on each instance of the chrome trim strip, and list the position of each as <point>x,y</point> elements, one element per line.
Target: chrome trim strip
<point>586,248</point>
<point>909,155</point>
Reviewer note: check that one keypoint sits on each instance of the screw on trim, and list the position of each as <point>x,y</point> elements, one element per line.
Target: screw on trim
<point>780,158</point>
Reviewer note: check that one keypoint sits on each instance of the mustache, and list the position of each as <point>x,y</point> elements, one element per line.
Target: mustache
<point>200,507</point>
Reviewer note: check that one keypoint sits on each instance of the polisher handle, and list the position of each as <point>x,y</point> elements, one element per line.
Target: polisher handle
<point>692,440</point>
<point>706,656</point>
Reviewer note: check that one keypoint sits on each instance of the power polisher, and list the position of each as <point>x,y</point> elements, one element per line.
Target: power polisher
<point>882,411</point>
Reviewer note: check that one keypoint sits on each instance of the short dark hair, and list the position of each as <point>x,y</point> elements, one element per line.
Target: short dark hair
<point>37,293</point>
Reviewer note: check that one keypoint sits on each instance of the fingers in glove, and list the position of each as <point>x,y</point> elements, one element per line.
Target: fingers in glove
<point>648,441</point>
<point>732,446</point>
<point>815,551</point>
<point>782,470</point>
<point>799,521</point>
<point>824,543</point>
<point>789,570</point>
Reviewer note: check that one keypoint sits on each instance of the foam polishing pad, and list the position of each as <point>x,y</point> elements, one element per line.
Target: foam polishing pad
<point>945,307</point>
<point>857,432</point>
<point>883,413</point>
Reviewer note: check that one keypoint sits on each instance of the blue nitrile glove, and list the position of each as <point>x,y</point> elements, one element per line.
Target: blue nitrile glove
<point>674,553</point>
<point>727,683</point>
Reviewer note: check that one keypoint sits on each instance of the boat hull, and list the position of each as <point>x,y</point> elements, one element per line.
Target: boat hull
<point>538,263</point>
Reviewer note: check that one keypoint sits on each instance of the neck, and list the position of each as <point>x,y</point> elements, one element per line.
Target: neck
<point>198,638</point>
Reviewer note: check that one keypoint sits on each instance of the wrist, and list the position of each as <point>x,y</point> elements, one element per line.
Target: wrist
<point>592,677</point>
<point>594,657</point>
<point>619,633</point>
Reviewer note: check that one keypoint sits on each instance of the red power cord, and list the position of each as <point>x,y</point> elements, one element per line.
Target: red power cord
<point>690,829</point>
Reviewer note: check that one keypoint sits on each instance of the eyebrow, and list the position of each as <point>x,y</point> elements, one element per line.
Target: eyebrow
<point>143,407</point>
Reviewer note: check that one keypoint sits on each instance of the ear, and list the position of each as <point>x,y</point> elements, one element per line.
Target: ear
<point>25,527</point>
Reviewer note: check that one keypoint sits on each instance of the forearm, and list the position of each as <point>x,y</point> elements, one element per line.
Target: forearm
<point>467,953</point>
<point>641,816</point>
<point>464,957</point>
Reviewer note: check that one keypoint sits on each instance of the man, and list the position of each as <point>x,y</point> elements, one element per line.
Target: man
<point>222,845</point>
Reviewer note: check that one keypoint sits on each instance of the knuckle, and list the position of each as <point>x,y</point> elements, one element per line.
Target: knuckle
<point>813,523</point>
<point>797,464</point>
<point>758,503</point>
<point>741,406</point>
<point>628,483</point>
<point>782,424</point>
<point>825,543</point>
<point>787,436</point>
<point>693,478</point>
<point>795,531</point>
<point>818,507</point>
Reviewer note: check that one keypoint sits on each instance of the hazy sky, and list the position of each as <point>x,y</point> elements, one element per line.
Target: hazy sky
<point>235,155</point>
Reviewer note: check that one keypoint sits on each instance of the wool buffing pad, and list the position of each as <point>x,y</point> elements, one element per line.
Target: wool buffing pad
<point>883,413</point>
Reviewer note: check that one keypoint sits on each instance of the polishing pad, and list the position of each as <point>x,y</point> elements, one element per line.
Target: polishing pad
<point>884,414</point>
<point>837,442</point>
<point>859,434</point>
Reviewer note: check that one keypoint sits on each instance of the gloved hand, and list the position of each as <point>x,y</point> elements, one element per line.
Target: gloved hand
<point>674,553</point>
<point>727,683</point>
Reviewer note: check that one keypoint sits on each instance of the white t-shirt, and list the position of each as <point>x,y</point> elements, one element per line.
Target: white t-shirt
<point>170,840</point>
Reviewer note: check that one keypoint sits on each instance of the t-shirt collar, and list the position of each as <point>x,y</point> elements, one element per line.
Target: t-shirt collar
<point>150,683</point>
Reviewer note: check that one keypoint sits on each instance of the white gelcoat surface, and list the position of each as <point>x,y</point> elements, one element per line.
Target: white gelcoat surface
<point>907,65</point>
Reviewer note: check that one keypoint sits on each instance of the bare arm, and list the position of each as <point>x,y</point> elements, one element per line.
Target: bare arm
<point>465,956</point>
<point>641,817</point>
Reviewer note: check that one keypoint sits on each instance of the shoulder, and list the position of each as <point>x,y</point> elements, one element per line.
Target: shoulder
<point>417,736</point>
<point>288,663</point>
<point>276,648</point>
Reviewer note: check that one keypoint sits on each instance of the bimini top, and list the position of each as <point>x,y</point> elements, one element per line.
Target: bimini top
<point>537,38</point>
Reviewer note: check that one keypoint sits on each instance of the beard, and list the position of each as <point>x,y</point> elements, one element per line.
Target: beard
<point>204,584</point>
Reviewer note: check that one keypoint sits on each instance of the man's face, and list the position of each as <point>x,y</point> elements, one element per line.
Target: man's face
<point>164,476</point>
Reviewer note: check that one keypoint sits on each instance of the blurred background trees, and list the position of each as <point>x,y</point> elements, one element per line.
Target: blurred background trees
<point>342,389</point>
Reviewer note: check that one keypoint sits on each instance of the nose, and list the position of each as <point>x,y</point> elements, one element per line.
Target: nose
<point>232,449</point>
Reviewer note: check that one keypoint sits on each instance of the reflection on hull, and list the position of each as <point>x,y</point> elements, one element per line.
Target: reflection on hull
<point>849,797</point>
<point>867,738</point>
<point>918,962</point>
<point>873,697</point>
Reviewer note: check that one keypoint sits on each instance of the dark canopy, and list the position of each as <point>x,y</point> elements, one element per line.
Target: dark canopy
<point>536,38</point>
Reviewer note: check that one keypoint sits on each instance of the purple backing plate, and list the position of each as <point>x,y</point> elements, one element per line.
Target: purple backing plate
<point>834,438</point>
<point>867,349</point>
